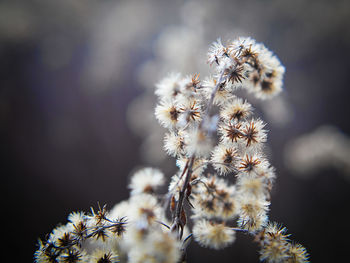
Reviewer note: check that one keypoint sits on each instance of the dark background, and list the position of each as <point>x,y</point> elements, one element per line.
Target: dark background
<point>63,103</point>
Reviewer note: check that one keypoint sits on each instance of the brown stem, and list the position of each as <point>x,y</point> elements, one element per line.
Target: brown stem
<point>177,221</point>
<point>171,192</point>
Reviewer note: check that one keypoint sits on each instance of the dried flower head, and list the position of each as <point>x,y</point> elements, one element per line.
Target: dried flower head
<point>253,132</point>
<point>174,143</point>
<point>213,235</point>
<point>216,52</point>
<point>253,213</point>
<point>224,159</point>
<point>167,113</point>
<point>146,180</point>
<point>297,254</point>
<point>106,256</point>
<point>168,87</point>
<point>236,110</point>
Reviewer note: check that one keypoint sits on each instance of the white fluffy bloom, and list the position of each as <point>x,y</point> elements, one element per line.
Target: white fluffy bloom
<point>253,164</point>
<point>270,80</point>
<point>59,234</point>
<point>256,186</point>
<point>146,180</point>
<point>262,70</point>
<point>253,212</point>
<point>269,88</point>
<point>230,133</point>
<point>213,235</point>
<point>228,209</point>
<point>168,87</point>
<point>198,143</point>
<point>236,109</point>
<point>174,143</point>
<point>120,210</point>
<point>144,207</point>
<point>224,159</point>
<point>189,87</point>
<point>104,255</point>
<point>156,246</point>
<point>167,113</point>
<point>238,45</point>
<point>223,93</point>
<point>254,133</point>
<point>190,112</point>
<point>76,217</point>
<point>216,51</point>
<point>213,197</point>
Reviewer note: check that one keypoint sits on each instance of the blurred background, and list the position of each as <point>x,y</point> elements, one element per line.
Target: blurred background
<point>76,109</point>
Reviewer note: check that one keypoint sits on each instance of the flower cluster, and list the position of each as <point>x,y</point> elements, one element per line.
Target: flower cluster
<point>223,174</point>
<point>185,110</point>
<point>83,239</point>
<point>276,246</point>
<point>135,230</point>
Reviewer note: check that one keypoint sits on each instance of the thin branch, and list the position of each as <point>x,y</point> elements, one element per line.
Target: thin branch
<point>163,224</point>
<point>177,222</point>
<point>239,229</point>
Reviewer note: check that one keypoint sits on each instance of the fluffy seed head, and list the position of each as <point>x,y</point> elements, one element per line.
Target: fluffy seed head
<point>198,143</point>
<point>146,180</point>
<point>216,52</point>
<point>253,213</point>
<point>213,235</point>
<point>224,159</point>
<point>297,254</point>
<point>223,93</point>
<point>254,132</point>
<point>104,255</point>
<point>168,88</point>
<point>236,110</point>
<point>167,114</point>
<point>174,143</point>
<point>274,252</point>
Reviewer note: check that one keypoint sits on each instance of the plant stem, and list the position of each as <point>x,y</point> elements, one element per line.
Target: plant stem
<point>177,221</point>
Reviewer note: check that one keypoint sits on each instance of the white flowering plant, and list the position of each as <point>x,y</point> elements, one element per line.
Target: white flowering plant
<point>223,182</point>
